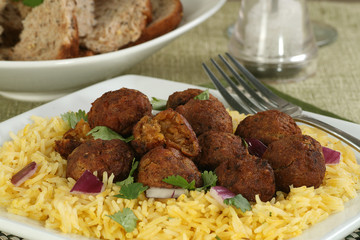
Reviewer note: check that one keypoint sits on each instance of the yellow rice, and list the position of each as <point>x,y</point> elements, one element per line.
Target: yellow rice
<point>46,197</point>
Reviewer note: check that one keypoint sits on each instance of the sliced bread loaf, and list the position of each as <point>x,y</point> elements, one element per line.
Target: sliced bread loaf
<point>118,22</point>
<point>50,32</point>
<point>167,15</point>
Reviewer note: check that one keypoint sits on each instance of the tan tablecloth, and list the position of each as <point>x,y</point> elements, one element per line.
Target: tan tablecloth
<point>336,86</point>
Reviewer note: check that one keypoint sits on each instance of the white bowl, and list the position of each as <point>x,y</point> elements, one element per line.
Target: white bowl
<point>45,80</point>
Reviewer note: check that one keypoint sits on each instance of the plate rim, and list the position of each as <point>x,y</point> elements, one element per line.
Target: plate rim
<point>19,121</point>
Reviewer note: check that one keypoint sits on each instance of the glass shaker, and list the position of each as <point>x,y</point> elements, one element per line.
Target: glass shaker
<point>274,40</point>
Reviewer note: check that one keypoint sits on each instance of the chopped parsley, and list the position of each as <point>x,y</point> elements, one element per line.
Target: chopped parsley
<point>129,189</point>
<point>130,178</point>
<point>72,118</point>
<point>158,104</point>
<point>105,133</point>
<point>239,202</point>
<point>209,179</point>
<point>126,218</point>
<point>205,95</point>
<point>179,181</point>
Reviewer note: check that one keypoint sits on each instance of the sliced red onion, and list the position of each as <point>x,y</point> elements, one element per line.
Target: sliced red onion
<point>220,193</point>
<point>88,183</point>
<point>255,147</point>
<point>331,156</point>
<point>155,192</point>
<point>24,174</point>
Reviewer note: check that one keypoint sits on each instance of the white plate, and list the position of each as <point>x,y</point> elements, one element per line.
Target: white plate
<point>335,227</point>
<point>45,80</point>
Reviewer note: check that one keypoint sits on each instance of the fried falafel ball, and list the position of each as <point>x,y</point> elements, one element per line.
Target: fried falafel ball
<point>167,128</point>
<point>296,160</point>
<point>181,97</point>
<point>160,163</point>
<point>111,156</point>
<point>217,147</point>
<point>73,138</point>
<point>119,110</point>
<point>249,176</point>
<point>267,126</point>
<point>206,115</point>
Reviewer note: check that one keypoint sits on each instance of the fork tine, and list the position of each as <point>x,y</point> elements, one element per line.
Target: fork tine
<point>253,107</point>
<point>229,99</point>
<point>261,104</point>
<point>258,85</point>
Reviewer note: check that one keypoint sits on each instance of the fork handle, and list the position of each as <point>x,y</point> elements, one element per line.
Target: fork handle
<point>345,137</point>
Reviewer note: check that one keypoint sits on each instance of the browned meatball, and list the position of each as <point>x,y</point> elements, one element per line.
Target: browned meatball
<point>167,128</point>
<point>111,156</point>
<point>218,147</point>
<point>206,115</point>
<point>248,176</point>
<point>180,98</point>
<point>297,160</point>
<point>119,110</point>
<point>267,126</point>
<point>160,163</point>
<point>73,138</point>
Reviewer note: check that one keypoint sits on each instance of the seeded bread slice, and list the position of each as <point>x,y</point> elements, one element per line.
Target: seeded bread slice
<point>118,22</point>
<point>50,32</point>
<point>167,15</point>
<point>85,16</point>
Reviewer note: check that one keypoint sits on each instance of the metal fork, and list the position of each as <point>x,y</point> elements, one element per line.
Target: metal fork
<point>255,97</point>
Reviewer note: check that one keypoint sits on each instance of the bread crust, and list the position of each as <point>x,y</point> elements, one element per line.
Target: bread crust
<point>10,20</point>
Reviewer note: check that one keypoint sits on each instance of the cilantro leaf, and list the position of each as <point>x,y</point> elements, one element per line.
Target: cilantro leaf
<point>31,3</point>
<point>158,104</point>
<point>179,181</point>
<point>127,181</point>
<point>126,218</point>
<point>106,133</point>
<point>209,179</point>
<point>245,143</point>
<point>131,191</point>
<point>130,178</point>
<point>72,118</point>
<point>205,95</point>
<point>239,202</point>
<point>217,238</point>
